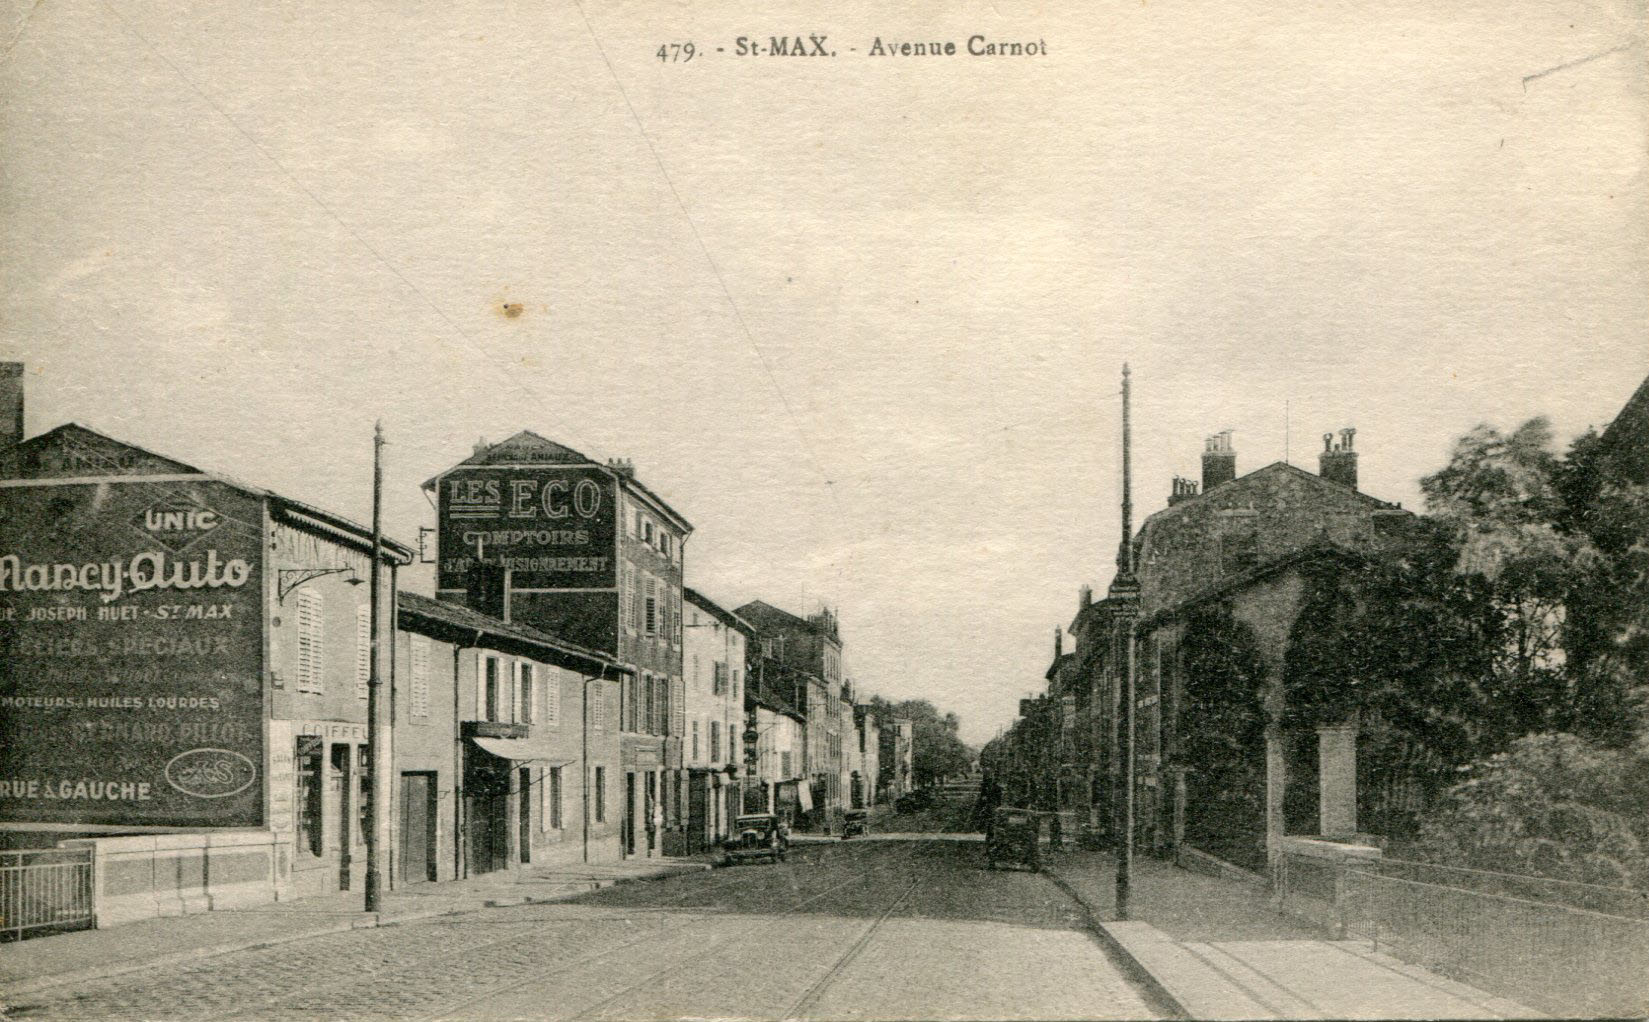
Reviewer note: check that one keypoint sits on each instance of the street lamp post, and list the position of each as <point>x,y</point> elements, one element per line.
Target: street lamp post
<point>1124,593</point>
<point>374,749</point>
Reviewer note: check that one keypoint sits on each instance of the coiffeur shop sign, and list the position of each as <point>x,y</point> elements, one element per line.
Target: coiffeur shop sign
<point>131,655</point>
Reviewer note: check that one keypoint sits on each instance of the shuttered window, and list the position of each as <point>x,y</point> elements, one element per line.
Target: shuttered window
<point>524,684</point>
<point>363,649</point>
<point>551,711</point>
<point>649,611</point>
<point>598,705</point>
<point>310,676</point>
<point>419,682</point>
<point>678,706</point>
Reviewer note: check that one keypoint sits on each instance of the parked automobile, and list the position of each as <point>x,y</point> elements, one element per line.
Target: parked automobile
<point>855,821</point>
<point>1013,837</point>
<point>756,836</point>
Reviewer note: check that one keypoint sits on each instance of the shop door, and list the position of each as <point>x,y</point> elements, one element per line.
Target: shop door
<point>486,806</point>
<point>524,830</point>
<point>651,809</point>
<point>629,825</point>
<point>343,832</point>
<point>417,828</point>
<point>699,826</point>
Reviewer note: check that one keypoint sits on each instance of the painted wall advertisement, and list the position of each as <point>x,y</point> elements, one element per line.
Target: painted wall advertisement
<point>553,528</point>
<point>131,655</point>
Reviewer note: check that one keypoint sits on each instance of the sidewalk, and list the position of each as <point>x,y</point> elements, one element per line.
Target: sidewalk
<point>31,965</point>
<point>1216,949</point>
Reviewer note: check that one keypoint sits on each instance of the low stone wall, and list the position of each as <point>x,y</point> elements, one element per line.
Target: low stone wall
<point>149,875</point>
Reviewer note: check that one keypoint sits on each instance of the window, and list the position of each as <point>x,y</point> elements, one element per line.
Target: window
<point>635,526</point>
<point>718,684</point>
<point>419,681</point>
<point>678,707</point>
<point>628,608</point>
<point>363,649</point>
<point>649,614</point>
<point>695,740</point>
<point>601,794</point>
<point>598,704</point>
<point>715,741</point>
<point>309,794</point>
<point>489,692</point>
<point>735,692</point>
<point>310,677</point>
<point>637,612</point>
<point>550,788</point>
<point>525,680</point>
<point>646,532</point>
<point>551,713</point>
<point>647,721</point>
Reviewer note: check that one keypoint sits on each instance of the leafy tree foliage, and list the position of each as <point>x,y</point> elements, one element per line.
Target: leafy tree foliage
<point>1552,805</point>
<point>936,750</point>
<point>1222,721</point>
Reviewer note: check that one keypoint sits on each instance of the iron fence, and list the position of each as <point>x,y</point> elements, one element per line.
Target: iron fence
<point>1572,961</point>
<point>45,891</point>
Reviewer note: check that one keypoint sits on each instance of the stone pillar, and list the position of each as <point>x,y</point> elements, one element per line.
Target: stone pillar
<point>1337,780</point>
<point>1276,780</point>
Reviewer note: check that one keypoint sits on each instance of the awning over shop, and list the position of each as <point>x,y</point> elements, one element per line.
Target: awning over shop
<point>521,750</point>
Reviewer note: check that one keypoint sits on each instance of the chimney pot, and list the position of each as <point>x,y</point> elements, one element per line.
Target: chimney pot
<point>1338,461</point>
<point>1219,460</point>
<point>480,445</point>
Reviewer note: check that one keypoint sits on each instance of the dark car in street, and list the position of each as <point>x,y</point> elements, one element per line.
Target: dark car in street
<point>756,836</point>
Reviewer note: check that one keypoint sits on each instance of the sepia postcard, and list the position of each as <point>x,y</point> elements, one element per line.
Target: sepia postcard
<point>566,509</point>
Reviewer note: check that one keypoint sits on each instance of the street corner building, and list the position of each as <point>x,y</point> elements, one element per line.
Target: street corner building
<point>1229,574</point>
<point>534,533</point>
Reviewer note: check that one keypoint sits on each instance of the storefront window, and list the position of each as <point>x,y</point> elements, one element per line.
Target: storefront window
<point>363,787</point>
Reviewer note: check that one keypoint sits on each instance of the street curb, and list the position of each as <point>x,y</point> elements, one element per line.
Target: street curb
<point>12,992</point>
<point>1131,965</point>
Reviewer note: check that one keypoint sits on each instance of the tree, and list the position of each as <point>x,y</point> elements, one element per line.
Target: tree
<point>1499,498</point>
<point>936,751</point>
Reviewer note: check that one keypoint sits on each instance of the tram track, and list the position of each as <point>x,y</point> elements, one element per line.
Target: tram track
<point>456,1006</point>
<point>814,993</point>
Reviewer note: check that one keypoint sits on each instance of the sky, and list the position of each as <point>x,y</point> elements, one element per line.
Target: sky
<point>860,319</point>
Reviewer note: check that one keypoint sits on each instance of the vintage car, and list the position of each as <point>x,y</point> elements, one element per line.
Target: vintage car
<point>1013,838</point>
<point>756,836</point>
<point>855,821</point>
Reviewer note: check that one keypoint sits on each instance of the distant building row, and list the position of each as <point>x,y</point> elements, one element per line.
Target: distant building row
<point>184,665</point>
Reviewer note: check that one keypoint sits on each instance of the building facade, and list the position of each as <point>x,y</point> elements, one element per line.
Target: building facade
<point>713,749</point>
<point>183,652</point>
<point>534,532</point>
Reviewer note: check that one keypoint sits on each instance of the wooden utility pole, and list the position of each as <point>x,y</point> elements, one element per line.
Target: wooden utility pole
<point>1124,595</point>
<point>374,748</point>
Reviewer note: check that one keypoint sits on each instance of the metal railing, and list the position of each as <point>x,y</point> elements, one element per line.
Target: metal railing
<point>45,891</point>
<point>1570,948</point>
<point>1553,956</point>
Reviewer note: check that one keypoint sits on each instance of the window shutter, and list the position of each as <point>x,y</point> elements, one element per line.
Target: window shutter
<point>678,706</point>
<point>311,678</point>
<point>480,686</point>
<point>598,705</point>
<point>552,697</point>
<point>420,676</point>
<point>543,777</point>
<point>363,649</point>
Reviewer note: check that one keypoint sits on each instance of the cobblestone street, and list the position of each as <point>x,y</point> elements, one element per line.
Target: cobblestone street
<point>875,929</point>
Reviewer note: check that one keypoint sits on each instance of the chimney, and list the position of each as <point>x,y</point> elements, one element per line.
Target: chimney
<point>480,447</point>
<point>1059,642</point>
<point>623,466</point>
<point>11,404</point>
<point>1084,597</point>
<point>1338,461</point>
<point>1184,489</point>
<point>1219,460</point>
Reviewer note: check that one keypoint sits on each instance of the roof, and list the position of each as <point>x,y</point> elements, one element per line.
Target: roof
<point>1259,573</point>
<point>1626,439</point>
<point>529,448</point>
<point>721,614</point>
<point>1259,475</point>
<point>441,619</point>
<point>1058,662</point>
<point>294,512</point>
